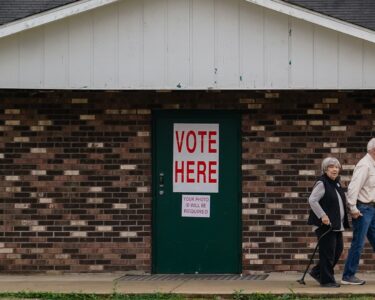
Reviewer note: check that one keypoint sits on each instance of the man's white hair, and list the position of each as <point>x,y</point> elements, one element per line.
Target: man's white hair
<point>371,144</point>
<point>330,161</point>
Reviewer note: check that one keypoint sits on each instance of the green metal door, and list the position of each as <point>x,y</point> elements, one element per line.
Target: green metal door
<point>196,190</point>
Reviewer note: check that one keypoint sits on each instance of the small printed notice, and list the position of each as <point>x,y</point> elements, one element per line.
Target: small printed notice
<point>197,206</point>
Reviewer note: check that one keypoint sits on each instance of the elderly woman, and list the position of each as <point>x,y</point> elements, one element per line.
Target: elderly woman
<point>328,211</point>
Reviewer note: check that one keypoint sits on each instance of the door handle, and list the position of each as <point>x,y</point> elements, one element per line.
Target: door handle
<point>161,183</point>
<point>161,180</point>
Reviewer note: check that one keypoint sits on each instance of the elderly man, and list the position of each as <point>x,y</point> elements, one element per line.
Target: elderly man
<point>361,201</point>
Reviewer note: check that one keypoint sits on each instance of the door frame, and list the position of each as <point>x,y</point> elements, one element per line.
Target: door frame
<point>154,177</point>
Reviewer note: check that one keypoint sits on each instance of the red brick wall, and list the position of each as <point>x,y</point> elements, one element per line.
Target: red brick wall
<point>75,174</point>
<point>285,137</point>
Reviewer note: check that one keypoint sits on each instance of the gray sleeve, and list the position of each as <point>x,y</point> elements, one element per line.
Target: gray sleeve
<point>317,194</point>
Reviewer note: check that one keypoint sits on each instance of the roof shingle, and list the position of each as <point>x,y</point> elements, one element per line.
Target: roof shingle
<point>358,12</point>
<point>12,10</point>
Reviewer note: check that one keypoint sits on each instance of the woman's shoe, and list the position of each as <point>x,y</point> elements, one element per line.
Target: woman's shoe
<point>330,285</point>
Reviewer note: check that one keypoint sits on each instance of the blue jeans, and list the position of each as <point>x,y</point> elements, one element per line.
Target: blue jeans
<point>362,227</point>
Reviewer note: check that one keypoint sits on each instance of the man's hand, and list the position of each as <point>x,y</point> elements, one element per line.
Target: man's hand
<point>356,214</point>
<point>325,220</point>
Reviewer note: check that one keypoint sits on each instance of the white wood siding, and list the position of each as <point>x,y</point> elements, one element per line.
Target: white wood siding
<point>185,44</point>
<point>80,52</point>
<point>301,51</point>
<point>202,45</point>
<point>9,61</point>
<point>31,59</point>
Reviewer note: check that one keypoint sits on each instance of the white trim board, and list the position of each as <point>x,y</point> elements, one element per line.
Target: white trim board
<point>276,5</point>
<point>317,18</point>
<point>55,14</point>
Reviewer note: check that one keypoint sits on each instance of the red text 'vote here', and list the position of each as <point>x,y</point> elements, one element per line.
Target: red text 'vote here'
<point>196,141</point>
<point>196,157</point>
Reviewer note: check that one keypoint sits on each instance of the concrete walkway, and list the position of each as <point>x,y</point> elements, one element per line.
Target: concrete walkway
<point>276,283</point>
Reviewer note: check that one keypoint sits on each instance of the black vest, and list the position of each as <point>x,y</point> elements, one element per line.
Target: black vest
<point>330,204</point>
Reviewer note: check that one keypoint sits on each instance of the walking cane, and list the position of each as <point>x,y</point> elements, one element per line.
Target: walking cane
<point>302,280</point>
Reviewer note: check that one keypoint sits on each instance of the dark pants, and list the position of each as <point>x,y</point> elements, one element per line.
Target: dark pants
<point>330,249</point>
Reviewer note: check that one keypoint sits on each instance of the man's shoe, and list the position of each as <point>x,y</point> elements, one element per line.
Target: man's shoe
<point>330,285</point>
<point>315,276</point>
<point>352,280</point>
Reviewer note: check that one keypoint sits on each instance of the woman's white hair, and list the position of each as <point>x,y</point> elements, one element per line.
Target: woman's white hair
<point>371,144</point>
<point>330,161</point>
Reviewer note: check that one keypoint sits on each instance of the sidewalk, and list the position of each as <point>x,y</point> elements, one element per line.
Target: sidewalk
<point>276,283</point>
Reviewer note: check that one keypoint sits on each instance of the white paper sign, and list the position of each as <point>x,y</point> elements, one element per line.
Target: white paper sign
<point>196,158</point>
<point>197,206</point>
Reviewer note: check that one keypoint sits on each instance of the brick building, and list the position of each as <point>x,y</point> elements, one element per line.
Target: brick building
<point>175,136</point>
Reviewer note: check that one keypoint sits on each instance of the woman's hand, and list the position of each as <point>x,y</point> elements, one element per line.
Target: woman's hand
<point>325,220</point>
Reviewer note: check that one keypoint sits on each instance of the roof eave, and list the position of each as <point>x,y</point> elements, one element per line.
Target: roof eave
<point>317,18</point>
<point>276,5</point>
<point>51,15</point>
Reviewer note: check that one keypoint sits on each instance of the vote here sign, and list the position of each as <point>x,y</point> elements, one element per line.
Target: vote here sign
<point>196,158</point>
